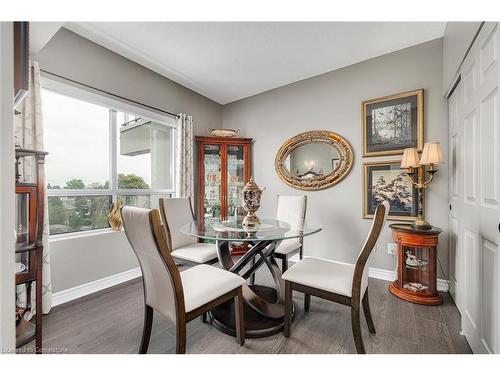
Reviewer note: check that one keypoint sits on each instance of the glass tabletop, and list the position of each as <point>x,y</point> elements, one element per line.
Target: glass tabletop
<point>233,230</point>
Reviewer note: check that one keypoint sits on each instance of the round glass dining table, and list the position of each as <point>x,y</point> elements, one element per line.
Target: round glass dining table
<point>264,308</point>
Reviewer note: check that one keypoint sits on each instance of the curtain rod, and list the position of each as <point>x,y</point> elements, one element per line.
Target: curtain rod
<point>111,94</point>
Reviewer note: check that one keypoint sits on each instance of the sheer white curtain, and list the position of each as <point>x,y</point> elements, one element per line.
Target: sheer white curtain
<point>184,169</point>
<point>29,135</point>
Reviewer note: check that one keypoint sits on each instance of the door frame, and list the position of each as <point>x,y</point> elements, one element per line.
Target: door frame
<point>7,191</point>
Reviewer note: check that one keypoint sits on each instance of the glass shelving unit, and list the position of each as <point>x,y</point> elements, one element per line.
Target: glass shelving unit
<point>224,169</point>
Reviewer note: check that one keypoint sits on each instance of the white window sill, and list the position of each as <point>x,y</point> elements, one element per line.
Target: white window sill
<point>82,234</point>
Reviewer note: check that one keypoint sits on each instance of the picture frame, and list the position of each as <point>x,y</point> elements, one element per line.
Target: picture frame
<point>392,123</point>
<point>391,184</point>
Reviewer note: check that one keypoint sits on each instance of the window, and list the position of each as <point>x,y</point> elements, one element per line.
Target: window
<point>100,153</point>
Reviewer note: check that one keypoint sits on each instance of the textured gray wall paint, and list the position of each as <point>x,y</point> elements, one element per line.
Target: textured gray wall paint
<point>457,39</point>
<point>79,59</point>
<point>332,102</point>
<point>80,260</point>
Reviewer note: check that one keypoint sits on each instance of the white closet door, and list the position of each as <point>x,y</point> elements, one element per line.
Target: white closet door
<point>455,166</point>
<point>475,193</point>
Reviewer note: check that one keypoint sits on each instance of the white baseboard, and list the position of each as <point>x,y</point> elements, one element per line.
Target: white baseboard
<point>387,275</point>
<point>94,286</point>
<point>381,274</point>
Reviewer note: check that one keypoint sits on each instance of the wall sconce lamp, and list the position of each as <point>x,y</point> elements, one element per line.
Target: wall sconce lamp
<point>416,170</point>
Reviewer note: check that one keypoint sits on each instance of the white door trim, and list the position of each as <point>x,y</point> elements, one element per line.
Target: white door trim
<point>7,191</point>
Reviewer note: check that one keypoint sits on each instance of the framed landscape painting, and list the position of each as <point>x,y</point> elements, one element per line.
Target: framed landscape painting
<point>387,181</point>
<point>393,123</point>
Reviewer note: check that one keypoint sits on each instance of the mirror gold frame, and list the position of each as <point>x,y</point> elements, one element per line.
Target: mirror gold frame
<point>317,183</point>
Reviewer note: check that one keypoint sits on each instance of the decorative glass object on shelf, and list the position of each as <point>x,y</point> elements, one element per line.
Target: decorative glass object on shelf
<point>212,195</point>
<point>416,261</point>
<point>22,231</point>
<point>22,262</point>
<point>22,218</point>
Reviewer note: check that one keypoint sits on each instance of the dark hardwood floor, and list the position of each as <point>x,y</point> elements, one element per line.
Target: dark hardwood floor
<point>111,322</point>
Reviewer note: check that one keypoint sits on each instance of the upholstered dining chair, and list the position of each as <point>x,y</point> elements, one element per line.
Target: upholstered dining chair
<point>338,282</point>
<point>291,209</point>
<point>178,296</point>
<point>176,212</point>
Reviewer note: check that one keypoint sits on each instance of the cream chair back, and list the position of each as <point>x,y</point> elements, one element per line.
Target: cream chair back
<point>176,212</point>
<point>292,209</point>
<point>362,263</point>
<point>161,278</point>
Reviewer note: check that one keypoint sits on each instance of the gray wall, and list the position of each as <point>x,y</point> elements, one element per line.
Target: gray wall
<point>458,37</point>
<point>84,258</point>
<point>332,102</point>
<point>87,257</point>
<point>77,58</point>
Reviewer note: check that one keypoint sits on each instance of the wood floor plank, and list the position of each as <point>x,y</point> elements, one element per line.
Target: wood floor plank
<point>399,319</point>
<point>433,337</point>
<point>452,318</point>
<point>428,312</point>
<point>383,344</point>
<point>325,328</point>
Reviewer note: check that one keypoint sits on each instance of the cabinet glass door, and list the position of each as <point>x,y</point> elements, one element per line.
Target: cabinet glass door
<point>416,269</point>
<point>235,180</point>
<point>212,183</point>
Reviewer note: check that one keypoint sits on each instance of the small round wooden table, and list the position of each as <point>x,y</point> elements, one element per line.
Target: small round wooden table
<point>416,273</point>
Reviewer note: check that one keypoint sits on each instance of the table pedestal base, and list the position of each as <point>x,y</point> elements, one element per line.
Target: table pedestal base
<point>255,324</point>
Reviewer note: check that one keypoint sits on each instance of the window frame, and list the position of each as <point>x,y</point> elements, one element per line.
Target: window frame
<point>95,97</point>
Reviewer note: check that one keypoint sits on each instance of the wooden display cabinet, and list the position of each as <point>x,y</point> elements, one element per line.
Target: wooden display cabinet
<point>223,171</point>
<point>417,260</point>
<point>29,247</point>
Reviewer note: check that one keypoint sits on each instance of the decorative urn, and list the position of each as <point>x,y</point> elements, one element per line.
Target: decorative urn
<point>251,203</point>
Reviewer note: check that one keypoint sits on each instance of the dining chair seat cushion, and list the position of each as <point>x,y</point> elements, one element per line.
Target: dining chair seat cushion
<point>197,252</point>
<point>204,283</point>
<point>287,246</point>
<point>327,275</point>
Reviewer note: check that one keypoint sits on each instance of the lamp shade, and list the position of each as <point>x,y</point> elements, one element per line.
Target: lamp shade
<point>410,158</point>
<point>432,154</point>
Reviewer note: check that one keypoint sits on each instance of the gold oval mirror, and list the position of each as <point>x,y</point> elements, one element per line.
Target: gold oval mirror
<point>314,160</point>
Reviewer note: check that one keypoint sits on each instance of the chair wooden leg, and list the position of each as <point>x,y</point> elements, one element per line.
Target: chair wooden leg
<point>307,302</point>
<point>288,309</point>
<point>180,340</point>
<point>239,317</point>
<point>146,329</point>
<point>356,328</point>
<point>284,264</point>
<point>368,314</point>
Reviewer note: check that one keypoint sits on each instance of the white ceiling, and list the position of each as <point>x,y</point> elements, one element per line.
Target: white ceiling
<point>41,33</point>
<point>234,60</point>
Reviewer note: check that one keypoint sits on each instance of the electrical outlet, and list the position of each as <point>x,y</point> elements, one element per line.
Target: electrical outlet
<point>391,248</point>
